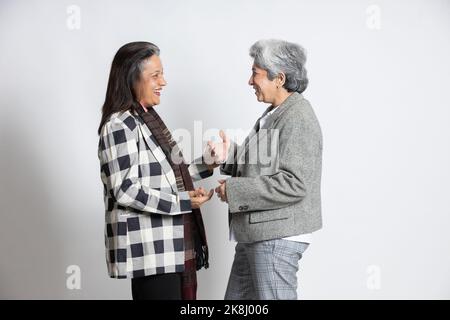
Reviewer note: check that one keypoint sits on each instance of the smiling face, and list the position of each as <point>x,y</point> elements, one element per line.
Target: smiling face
<point>148,89</point>
<point>265,89</point>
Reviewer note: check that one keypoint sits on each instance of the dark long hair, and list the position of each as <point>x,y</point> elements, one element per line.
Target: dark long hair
<point>125,72</point>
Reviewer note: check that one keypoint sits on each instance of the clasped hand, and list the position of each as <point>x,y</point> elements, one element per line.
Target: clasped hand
<point>199,196</point>
<point>218,154</point>
<point>215,154</point>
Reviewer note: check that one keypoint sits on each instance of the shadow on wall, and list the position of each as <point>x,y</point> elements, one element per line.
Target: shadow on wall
<point>30,247</point>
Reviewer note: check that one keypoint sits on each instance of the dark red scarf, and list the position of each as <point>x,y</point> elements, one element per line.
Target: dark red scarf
<point>194,231</point>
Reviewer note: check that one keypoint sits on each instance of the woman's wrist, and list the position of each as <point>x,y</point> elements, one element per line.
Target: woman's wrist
<point>211,167</point>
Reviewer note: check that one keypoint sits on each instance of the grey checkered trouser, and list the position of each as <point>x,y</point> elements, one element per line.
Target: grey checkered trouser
<point>265,270</point>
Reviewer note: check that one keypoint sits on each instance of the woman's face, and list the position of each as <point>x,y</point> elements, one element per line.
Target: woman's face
<point>265,89</point>
<point>148,89</point>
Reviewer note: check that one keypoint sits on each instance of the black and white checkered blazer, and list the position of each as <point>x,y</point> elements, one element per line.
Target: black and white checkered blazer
<point>143,223</point>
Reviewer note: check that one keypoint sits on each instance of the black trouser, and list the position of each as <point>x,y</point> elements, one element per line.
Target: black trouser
<point>157,287</point>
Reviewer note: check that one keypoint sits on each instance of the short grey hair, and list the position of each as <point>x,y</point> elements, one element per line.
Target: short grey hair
<point>279,56</point>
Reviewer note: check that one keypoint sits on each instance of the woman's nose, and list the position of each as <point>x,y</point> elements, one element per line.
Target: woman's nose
<point>250,81</point>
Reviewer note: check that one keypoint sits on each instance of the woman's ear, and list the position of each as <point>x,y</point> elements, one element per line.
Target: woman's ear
<point>281,79</point>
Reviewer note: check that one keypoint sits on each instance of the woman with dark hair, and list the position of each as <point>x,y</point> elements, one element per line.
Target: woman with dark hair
<point>154,232</point>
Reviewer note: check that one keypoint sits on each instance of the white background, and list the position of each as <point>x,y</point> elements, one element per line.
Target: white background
<point>381,96</point>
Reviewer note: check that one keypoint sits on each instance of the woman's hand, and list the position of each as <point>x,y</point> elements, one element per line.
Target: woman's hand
<point>200,196</point>
<point>217,152</point>
<point>221,191</point>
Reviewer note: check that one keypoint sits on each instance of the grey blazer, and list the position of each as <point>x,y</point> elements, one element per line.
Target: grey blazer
<point>278,195</point>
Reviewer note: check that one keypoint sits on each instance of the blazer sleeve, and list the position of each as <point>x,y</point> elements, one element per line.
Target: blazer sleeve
<point>119,158</point>
<point>284,188</point>
<point>199,170</point>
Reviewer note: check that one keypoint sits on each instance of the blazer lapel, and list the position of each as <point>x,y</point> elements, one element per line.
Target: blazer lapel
<point>251,136</point>
<point>159,155</point>
<point>254,137</point>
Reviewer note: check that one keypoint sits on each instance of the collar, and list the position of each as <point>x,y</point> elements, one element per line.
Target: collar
<point>275,112</point>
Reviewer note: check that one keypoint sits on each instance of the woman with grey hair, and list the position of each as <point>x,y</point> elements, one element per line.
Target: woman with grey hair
<point>274,207</point>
